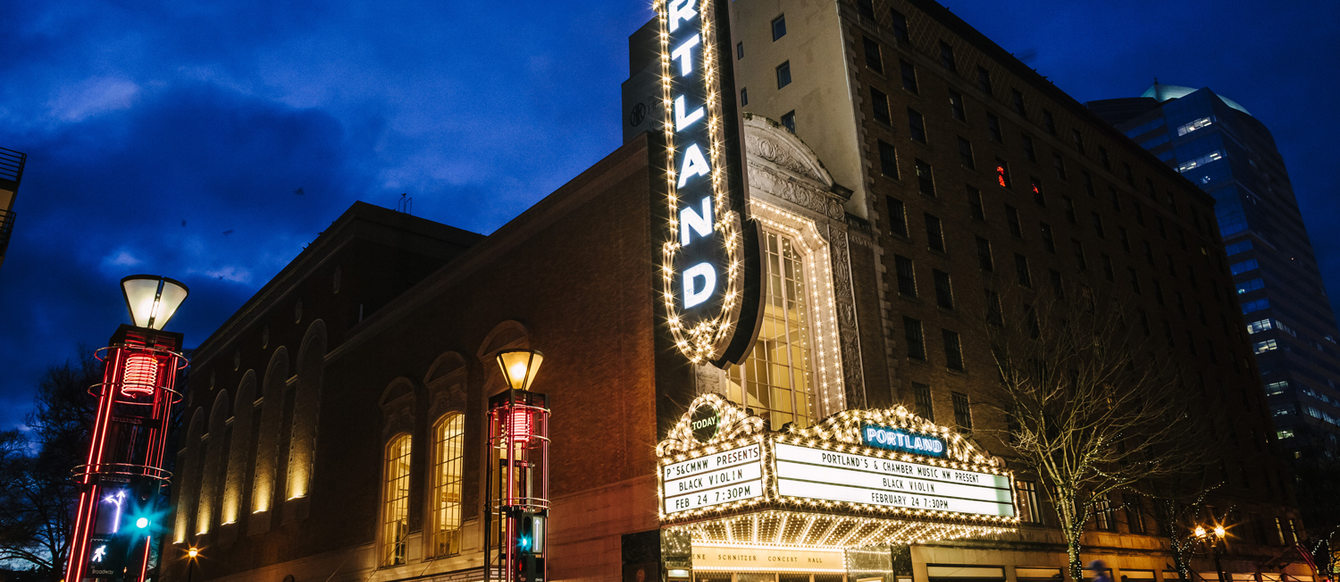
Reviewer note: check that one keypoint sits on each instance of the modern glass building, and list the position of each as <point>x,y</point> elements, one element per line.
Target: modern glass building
<point>1217,144</point>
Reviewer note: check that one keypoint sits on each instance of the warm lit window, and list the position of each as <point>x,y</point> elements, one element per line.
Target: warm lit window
<point>776,380</point>
<point>1028,502</point>
<point>448,449</point>
<point>395,501</point>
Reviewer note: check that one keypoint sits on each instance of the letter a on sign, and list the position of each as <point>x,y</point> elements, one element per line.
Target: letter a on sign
<point>694,164</point>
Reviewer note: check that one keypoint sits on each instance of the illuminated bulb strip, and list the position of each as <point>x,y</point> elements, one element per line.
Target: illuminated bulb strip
<point>700,342</point>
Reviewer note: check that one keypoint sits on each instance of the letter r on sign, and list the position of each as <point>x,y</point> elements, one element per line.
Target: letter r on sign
<point>681,10</point>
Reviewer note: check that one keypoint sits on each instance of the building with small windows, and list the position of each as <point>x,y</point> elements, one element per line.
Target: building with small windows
<point>908,182</point>
<point>1214,142</point>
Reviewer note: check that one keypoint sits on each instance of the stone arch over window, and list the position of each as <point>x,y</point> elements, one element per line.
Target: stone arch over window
<point>306,407</point>
<point>188,461</point>
<point>801,365</point>
<point>394,525</point>
<point>510,334</point>
<point>398,403</point>
<point>215,454</point>
<point>267,440</point>
<point>240,447</point>
<point>446,384</point>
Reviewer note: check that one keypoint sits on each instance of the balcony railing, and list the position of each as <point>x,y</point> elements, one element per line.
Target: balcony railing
<point>11,168</point>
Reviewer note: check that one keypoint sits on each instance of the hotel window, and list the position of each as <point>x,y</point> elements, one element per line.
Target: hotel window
<point>897,216</point>
<point>1107,268</point>
<point>1098,225</point>
<point>921,397</point>
<point>1017,99</point>
<point>984,80</point>
<point>1103,518</point>
<point>866,8</point>
<point>1104,159</point>
<point>965,153</point>
<point>935,237</point>
<point>1069,208</point>
<point>1030,506</point>
<point>1002,173</point>
<point>1035,185</point>
<point>962,411</point>
<point>1047,241</point>
<point>1088,186</point>
<point>1048,121</point>
<point>900,26</point>
<point>994,316</point>
<point>906,273</point>
<point>947,56</point>
<point>744,96</point>
<point>993,125</point>
<point>1029,150</point>
<point>956,106</point>
<point>448,457</point>
<point>775,381</point>
<point>789,121</point>
<point>873,59</point>
<point>1259,326</point>
<point>888,160</point>
<point>916,344</point>
<point>953,357</point>
<point>879,105</point>
<point>1021,270</point>
<point>739,51</point>
<point>395,501</point>
<point>1135,513</point>
<point>975,204</point>
<point>1266,346</point>
<point>984,255</point>
<point>784,74</point>
<point>1012,218</point>
<point>909,74</point>
<point>1059,162</point>
<point>1079,140</point>
<point>778,27</point>
<point>944,289</point>
<point>1135,280</point>
<point>916,125</point>
<point>925,178</point>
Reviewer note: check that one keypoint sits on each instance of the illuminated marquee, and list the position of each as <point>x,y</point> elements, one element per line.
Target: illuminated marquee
<point>895,475</point>
<point>704,264</point>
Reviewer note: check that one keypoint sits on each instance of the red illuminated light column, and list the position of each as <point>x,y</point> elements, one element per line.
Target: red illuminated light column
<point>518,473</point>
<point>122,476</point>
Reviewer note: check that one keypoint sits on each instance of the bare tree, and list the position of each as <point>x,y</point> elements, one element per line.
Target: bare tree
<point>1178,506</point>
<point>37,492</point>
<point>1089,407</point>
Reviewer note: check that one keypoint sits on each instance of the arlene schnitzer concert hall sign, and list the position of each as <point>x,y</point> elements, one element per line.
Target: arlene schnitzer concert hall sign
<point>709,260</point>
<point>894,476</point>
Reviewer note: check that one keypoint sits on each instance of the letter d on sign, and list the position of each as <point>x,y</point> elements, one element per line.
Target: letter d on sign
<point>694,292</point>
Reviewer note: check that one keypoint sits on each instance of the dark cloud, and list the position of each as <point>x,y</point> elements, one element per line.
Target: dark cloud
<point>170,137</point>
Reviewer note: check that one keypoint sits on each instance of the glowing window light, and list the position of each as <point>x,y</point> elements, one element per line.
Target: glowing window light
<point>141,375</point>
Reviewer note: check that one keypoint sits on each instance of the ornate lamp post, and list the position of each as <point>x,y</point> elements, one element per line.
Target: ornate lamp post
<point>518,473</point>
<point>122,475</point>
<point>1215,542</point>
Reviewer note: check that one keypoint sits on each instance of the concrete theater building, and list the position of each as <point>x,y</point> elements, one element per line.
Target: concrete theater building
<point>339,424</point>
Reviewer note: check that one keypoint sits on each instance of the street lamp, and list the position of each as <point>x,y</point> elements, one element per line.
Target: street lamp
<point>1215,540</point>
<point>121,480</point>
<point>191,554</point>
<point>518,472</point>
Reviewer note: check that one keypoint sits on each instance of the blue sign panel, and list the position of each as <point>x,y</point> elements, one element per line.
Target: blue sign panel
<point>898,439</point>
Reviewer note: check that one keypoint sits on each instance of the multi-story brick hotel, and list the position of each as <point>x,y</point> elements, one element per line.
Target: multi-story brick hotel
<point>789,385</point>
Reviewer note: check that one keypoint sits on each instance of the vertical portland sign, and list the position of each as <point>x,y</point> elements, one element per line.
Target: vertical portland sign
<point>710,265</point>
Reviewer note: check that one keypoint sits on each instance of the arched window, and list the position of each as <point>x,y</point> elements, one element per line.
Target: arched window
<point>447,472</point>
<point>775,380</point>
<point>395,501</point>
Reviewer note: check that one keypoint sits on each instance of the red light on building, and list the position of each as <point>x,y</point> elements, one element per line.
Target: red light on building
<point>519,428</point>
<point>1002,176</point>
<point>141,375</point>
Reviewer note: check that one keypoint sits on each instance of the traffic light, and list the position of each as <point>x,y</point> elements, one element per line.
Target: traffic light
<point>528,547</point>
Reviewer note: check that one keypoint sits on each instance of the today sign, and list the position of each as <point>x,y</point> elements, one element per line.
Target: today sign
<point>703,264</point>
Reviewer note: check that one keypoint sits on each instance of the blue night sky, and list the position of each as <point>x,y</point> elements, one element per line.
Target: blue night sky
<point>211,141</point>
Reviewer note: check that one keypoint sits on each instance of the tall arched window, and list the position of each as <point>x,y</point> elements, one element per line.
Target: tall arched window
<point>395,501</point>
<point>775,380</point>
<point>447,471</point>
